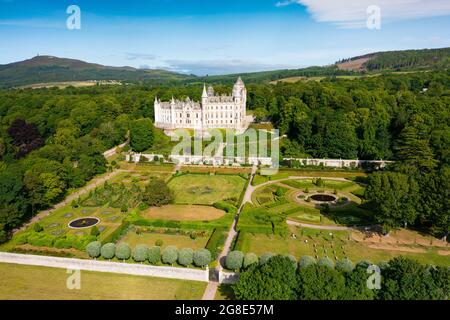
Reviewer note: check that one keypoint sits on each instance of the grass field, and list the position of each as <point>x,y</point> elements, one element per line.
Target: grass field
<point>178,240</point>
<point>343,244</point>
<point>184,213</point>
<point>206,189</point>
<point>31,283</point>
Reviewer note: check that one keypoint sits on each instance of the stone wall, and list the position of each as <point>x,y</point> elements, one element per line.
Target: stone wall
<point>104,266</point>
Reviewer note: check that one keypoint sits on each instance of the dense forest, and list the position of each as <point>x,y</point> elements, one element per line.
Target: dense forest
<point>51,140</point>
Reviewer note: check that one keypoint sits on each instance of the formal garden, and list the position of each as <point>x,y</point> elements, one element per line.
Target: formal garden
<point>141,216</point>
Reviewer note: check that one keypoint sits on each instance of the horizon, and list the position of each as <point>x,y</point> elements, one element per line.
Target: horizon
<point>218,38</point>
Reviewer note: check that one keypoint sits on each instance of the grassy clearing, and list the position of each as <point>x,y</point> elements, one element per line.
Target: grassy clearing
<point>343,244</point>
<point>19,282</point>
<point>184,213</point>
<point>206,189</point>
<point>178,240</point>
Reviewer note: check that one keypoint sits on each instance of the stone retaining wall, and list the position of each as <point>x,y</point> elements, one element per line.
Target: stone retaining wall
<point>104,266</point>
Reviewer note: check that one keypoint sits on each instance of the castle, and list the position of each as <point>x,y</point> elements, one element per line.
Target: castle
<point>213,112</point>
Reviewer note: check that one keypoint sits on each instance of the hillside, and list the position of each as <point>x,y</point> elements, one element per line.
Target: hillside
<point>406,60</point>
<point>48,69</point>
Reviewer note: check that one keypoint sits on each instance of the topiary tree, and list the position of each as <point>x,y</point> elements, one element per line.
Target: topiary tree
<point>37,227</point>
<point>95,231</point>
<point>202,257</point>
<point>124,208</point>
<point>108,251</point>
<point>345,265</point>
<point>154,255</point>
<point>266,257</point>
<point>186,257</point>
<point>93,249</point>
<point>159,243</point>
<point>123,251</point>
<point>249,259</point>
<point>140,253</point>
<point>169,255</point>
<point>234,260</point>
<point>306,261</point>
<point>325,261</point>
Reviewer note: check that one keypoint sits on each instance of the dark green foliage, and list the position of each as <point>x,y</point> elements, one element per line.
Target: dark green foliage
<point>225,206</point>
<point>157,193</point>
<point>141,134</point>
<point>95,231</point>
<point>406,279</point>
<point>320,282</point>
<point>274,280</point>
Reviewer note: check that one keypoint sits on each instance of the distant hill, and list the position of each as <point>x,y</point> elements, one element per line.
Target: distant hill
<point>406,60</point>
<point>48,69</point>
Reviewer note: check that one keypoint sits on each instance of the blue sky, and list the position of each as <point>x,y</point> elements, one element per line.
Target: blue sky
<point>218,36</point>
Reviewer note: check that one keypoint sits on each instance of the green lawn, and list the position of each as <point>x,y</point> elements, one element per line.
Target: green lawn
<point>206,189</point>
<point>40,283</point>
<point>178,240</point>
<point>356,251</point>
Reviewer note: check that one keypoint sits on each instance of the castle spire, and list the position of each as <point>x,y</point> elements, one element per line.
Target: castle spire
<point>204,94</point>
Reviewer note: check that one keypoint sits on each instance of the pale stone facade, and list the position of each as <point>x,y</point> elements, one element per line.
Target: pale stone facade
<point>213,112</point>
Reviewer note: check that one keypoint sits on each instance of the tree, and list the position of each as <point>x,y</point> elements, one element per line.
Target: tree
<point>154,255</point>
<point>327,262</point>
<point>169,255</point>
<point>202,257</point>
<point>234,260</point>
<point>306,261</point>
<point>25,136</point>
<point>186,257</point>
<point>320,282</point>
<point>123,251</point>
<point>266,257</point>
<point>140,253</point>
<point>250,259</point>
<point>413,150</point>
<point>141,134</point>
<point>406,279</point>
<point>393,197</point>
<point>157,193</point>
<point>108,251</point>
<point>345,265</point>
<point>94,249</point>
<point>274,280</point>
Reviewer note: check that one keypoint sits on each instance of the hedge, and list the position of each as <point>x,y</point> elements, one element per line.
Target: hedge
<point>225,206</point>
<point>118,233</point>
<point>215,242</point>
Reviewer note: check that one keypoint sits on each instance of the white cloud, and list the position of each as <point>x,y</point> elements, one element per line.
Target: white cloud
<point>353,13</point>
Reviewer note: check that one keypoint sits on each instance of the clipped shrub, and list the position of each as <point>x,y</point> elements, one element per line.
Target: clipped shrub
<point>325,261</point>
<point>108,251</point>
<point>186,257</point>
<point>169,255</point>
<point>123,251</point>
<point>154,255</point>
<point>345,265</point>
<point>234,260</point>
<point>159,243</point>
<point>95,231</point>
<point>225,206</point>
<point>140,253</point>
<point>306,261</point>
<point>249,259</point>
<point>202,257</point>
<point>266,257</point>
<point>37,227</point>
<point>93,249</point>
